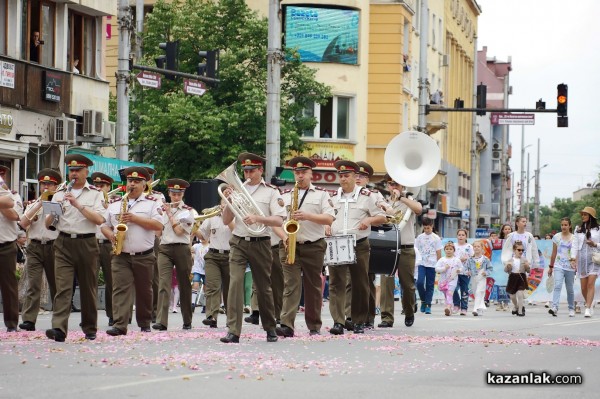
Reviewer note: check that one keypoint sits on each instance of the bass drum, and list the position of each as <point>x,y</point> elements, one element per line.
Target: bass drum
<point>384,241</point>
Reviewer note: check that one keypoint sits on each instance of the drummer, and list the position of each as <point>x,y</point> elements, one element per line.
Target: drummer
<point>406,261</point>
<point>356,210</point>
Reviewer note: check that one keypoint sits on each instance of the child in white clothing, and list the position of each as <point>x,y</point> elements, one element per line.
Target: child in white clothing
<point>479,268</point>
<point>448,268</point>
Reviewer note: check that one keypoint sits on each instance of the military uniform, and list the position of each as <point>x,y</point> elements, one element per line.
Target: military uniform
<point>40,256</point>
<point>216,266</point>
<point>174,250</point>
<point>132,269</point>
<point>310,251</point>
<point>8,263</point>
<point>254,249</point>
<point>351,209</point>
<point>75,251</point>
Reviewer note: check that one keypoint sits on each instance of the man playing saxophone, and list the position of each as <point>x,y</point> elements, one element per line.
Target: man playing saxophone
<point>311,209</point>
<point>133,267</point>
<point>40,251</point>
<point>252,246</point>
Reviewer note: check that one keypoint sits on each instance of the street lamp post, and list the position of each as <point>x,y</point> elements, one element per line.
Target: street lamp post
<point>536,225</point>
<point>522,186</point>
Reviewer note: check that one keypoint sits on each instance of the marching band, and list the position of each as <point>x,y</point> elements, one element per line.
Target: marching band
<point>287,239</point>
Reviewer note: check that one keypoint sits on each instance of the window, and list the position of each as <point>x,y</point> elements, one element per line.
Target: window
<point>335,119</point>
<point>81,44</point>
<point>38,31</point>
<point>432,39</point>
<point>3,25</point>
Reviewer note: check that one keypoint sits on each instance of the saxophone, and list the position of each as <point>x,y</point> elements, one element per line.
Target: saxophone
<point>292,227</point>
<point>121,227</point>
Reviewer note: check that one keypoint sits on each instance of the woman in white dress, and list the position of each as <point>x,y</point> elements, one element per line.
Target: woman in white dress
<point>587,241</point>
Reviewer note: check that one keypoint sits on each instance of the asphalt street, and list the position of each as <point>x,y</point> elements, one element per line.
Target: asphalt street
<point>438,357</point>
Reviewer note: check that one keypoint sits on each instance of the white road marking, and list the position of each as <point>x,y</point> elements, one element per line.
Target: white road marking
<point>155,380</point>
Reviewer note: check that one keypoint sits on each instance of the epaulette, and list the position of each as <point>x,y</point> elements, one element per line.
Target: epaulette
<point>187,207</point>
<point>373,190</point>
<point>289,190</point>
<point>364,191</point>
<point>13,192</point>
<point>272,186</point>
<point>319,188</point>
<point>115,199</point>
<point>334,194</point>
<point>93,187</point>
<point>151,198</point>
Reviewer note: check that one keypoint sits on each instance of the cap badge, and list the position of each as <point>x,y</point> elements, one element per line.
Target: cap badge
<point>134,174</point>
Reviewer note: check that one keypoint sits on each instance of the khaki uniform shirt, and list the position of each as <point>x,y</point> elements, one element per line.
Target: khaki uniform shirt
<point>407,235</point>
<point>351,209</point>
<point>316,201</point>
<point>9,229</point>
<point>72,221</point>
<point>37,229</point>
<point>216,232</point>
<point>184,216</point>
<point>269,201</point>
<point>137,238</point>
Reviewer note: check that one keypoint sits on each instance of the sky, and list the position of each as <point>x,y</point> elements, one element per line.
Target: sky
<point>550,42</point>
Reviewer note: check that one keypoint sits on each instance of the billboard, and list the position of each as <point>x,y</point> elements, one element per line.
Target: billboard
<point>322,34</point>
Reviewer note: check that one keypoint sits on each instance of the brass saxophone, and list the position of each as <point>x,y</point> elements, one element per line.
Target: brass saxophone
<point>121,227</point>
<point>292,227</point>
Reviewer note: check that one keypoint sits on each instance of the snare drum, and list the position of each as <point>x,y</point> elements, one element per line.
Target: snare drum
<point>340,250</point>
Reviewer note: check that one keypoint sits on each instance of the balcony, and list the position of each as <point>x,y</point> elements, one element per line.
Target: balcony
<point>436,120</point>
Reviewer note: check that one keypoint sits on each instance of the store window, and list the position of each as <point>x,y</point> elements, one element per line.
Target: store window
<point>335,119</point>
<point>3,25</point>
<point>37,158</point>
<point>38,31</point>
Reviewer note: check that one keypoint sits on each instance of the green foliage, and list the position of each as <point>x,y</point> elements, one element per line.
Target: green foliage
<point>198,136</point>
<point>550,216</point>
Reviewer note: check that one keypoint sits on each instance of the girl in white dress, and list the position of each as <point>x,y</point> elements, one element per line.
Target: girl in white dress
<point>587,237</point>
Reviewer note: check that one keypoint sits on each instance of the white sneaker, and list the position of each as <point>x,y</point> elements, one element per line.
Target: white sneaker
<point>547,304</point>
<point>571,313</point>
<point>587,313</point>
<point>553,311</point>
<point>592,310</point>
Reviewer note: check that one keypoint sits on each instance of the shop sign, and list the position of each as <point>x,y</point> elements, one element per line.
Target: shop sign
<point>6,121</point>
<point>52,86</point>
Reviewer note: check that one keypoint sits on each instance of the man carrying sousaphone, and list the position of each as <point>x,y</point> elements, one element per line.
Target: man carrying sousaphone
<point>406,261</point>
<point>356,210</point>
<point>132,268</point>
<point>40,251</point>
<point>311,209</point>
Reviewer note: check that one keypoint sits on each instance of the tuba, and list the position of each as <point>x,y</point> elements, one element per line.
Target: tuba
<point>412,159</point>
<point>242,204</point>
<point>121,228</point>
<point>292,227</point>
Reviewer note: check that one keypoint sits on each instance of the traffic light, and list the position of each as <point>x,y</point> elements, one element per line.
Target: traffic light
<point>481,98</point>
<point>561,105</point>
<point>209,68</point>
<point>458,103</point>
<point>171,59</point>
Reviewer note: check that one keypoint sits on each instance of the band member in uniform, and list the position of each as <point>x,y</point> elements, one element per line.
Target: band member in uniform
<point>313,211</point>
<point>252,248</point>
<point>104,183</point>
<point>406,260</point>
<point>356,210</point>
<point>133,267</point>
<point>174,250</point>
<point>40,251</point>
<point>8,252</point>
<point>160,197</point>
<point>216,265</point>
<point>76,249</point>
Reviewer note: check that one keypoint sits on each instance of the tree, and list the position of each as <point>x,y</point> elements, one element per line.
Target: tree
<point>550,216</point>
<point>198,136</point>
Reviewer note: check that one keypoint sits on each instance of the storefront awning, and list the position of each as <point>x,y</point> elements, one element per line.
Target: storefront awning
<point>108,166</point>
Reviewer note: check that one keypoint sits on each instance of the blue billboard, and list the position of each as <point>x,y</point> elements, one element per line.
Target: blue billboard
<point>322,34</point>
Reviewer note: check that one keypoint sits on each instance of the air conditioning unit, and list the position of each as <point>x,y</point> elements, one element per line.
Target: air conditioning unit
<point>110,129</point>
<point>496,146</point>
<point>92,123</point>
<point>445,60</point>
<point>62,130</point>
<point>480,198</point>
<point>496,154</point>
<point>483,221</point>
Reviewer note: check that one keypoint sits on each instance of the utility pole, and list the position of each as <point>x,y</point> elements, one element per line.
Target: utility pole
<point>528,178</point>
<point>474,209</point>
<point>522,188</point>
<point>139,27</point>
<point>504,163</point>
<point>274,59</point>
<point>536,211</point>
<point>423,82</point>
<point>125,25</point>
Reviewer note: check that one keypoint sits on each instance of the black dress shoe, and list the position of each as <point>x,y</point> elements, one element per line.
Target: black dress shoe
<point>159,327</point>
<point>369,326</point>
<point>186,326</point>
<point>27,326</point>
<point>115,332</point>
<point>209,321</point>
<point>111,322</point>
<point>314,332</point>
<point>523,310</point>
<point>337,329</point>
<point>348,324</point>
<point>252,319</point>
<point>230,339</point>
<point>284,331</point>
<point>56,334</point>
<point>409,321</point>
<point>359,328</point>
<point>90,336</point>
<point>145,329</point>
<point>11,329</point>
<point>272,336</point>
<point>385,324</point>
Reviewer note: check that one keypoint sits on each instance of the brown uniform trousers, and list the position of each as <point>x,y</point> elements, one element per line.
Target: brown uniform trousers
<point>359,273</point>
<point>155,280</point>
<point>406,275</point>
<point>307,268</point>
<point>129,272</point>
<point>372,297</point>
<point>259,255</point>
<point>76,256</point>
<point>216,267</point>
<point>177,255</point>
<point>40,259</point>
<point>8,283</point>
<point>277,285</point>
<point>104,263</point>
